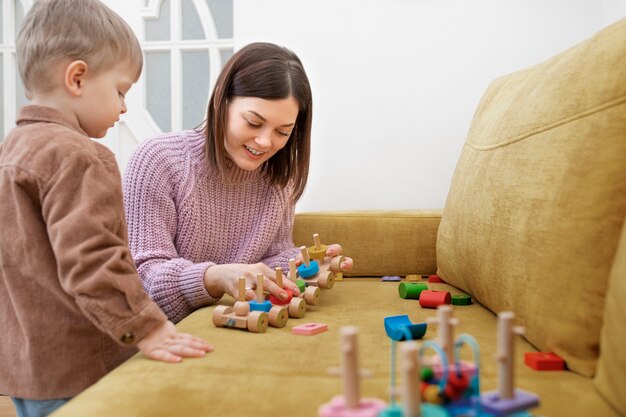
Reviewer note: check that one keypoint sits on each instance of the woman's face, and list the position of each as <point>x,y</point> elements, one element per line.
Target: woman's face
<point>257,128</point>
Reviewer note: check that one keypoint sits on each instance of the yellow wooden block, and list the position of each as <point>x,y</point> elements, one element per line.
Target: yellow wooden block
<point>338,276</point>
<point>412,278</point>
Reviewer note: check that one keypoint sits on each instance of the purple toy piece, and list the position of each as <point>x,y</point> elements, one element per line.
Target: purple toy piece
<point>391,278</point>
<point>521,401</point>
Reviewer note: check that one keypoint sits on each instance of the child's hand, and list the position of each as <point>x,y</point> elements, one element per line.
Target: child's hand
<point>167,345</point>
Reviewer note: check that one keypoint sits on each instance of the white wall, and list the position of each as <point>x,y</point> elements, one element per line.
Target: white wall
<point>396,82</point>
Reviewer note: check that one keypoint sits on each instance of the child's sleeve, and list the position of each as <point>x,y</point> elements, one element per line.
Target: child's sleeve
<point>175,283</point>
<point>82,207</point>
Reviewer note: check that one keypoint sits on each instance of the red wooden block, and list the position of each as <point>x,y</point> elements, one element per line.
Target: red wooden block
<point>432,298</point>
<point>435,278</point>
<point>544,361</point>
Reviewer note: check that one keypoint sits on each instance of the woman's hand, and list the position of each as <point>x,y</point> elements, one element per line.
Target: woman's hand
<point>220,279</point>
<point>165,344</point>
<point>334,250</point>
<point>331,251</point>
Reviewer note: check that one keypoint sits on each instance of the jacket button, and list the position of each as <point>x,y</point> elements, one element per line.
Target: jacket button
<point>128,338</point>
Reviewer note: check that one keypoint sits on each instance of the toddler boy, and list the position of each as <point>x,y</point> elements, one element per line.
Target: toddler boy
<point>71,304</point>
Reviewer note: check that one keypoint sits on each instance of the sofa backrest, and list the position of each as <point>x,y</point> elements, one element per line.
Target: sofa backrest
<point>538,198</point>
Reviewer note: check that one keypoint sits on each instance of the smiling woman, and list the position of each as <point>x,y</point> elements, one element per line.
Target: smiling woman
<point>208,206</point>
<point>258,128</point>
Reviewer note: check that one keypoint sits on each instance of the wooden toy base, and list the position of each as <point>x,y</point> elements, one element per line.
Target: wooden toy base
<point>368,407</point>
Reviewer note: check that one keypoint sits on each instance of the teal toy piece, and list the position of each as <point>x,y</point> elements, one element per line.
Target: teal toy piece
<point>428,410</point>
<point>401,328</point>
<point>265,306</point>
<point>308,271</point>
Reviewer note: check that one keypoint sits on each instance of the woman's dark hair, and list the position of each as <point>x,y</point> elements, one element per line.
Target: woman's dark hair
<point>270,72</point>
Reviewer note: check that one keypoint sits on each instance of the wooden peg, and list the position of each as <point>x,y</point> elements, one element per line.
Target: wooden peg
<point>242,290</point>
<point>411,367</point>
<point>292,269</point>
<point>259,289</point>
<point>279,276</point>
<point>316,239</point>
<point>350,366</point>
<point>305,256</point>
<point>506,345</point>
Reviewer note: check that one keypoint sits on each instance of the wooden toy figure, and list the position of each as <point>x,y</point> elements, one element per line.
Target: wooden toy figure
<point>310,294</point>
<point>277,315</point>
<point>351,404</point>
<point>507,400</point>
<point>319,271</point>
<point>296,306</point>
<point>240,316</point>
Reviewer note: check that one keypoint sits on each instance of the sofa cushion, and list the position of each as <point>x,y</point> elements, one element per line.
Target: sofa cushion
<point>538,197</point>
<point>611,377</point>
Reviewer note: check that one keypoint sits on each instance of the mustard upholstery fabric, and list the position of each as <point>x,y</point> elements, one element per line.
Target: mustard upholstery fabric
<point>281,374</point>
<point>277,373</point>
<point>538,198</point>
<point>611,377</point>
<point>389,240</point>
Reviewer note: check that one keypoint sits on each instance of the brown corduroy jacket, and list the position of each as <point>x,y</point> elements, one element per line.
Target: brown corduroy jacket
<point>71,303</point>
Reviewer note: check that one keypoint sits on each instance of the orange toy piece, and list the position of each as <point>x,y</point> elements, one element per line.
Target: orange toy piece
<point>239,316</point>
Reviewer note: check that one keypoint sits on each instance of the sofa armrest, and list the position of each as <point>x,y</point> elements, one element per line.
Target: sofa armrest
<point>380,242</point>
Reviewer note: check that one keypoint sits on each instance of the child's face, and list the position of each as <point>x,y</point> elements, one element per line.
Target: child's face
<point>102,101</point>
<point>257,128</point>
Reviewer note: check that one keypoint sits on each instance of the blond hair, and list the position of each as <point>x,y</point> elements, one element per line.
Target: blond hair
<point>86,30</point>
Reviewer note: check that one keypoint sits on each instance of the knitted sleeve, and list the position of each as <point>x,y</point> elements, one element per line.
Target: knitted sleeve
<point>283,248</point>
<point>152,178</point>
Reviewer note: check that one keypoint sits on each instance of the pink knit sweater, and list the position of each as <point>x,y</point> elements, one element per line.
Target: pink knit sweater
<point>182,219</point>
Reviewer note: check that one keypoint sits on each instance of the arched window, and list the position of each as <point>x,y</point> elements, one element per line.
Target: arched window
<point>11,15</point>
<point>186,44</point>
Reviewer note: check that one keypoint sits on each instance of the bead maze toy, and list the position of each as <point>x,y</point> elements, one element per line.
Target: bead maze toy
<point>239,316</point>
<point>277,315</point>
<point>350,404</point>
<point>443,385</point>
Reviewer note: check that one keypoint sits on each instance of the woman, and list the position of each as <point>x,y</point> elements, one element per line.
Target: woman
<point>207,206</point>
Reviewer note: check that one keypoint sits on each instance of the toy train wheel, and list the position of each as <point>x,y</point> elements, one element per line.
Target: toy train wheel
<point>219,313</point>
<point>312,295</point>
<point>257,322</point>
<point>335,263</point>
<point>297,308</point>
<point>326,280</point>
<point>278,316</point>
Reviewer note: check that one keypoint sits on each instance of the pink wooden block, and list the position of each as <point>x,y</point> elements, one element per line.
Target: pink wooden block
<point>309,329</point>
